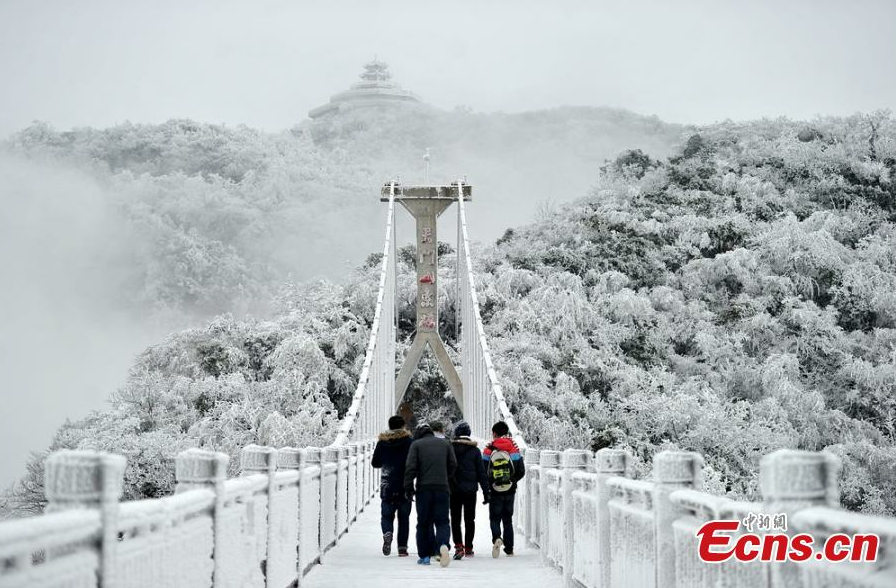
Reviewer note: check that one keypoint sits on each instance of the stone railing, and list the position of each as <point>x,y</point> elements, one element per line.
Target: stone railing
<point>265,528</point>
<point>606,530</point>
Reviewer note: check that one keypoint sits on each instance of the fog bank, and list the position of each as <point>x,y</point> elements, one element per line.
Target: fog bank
<point>65,340</point>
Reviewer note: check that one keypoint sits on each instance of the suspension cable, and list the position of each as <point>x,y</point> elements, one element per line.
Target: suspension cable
<point>480,380</point>
<point>372,401</point>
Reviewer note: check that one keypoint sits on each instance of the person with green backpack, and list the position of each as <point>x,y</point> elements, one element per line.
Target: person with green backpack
<point>504,468</point>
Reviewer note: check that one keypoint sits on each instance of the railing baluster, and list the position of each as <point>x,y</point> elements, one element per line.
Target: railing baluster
<point>573,460</point>
<point>609,463</point>
<point>531,505</point>
<point>549,461</point>
<point>672,470</point>
<point>256,459</point>
<point>329,466</point>
<point>199,468</point>
<point>94,480</point>
<point>793,480</point>
<point>342,483</point>
<point>292,458</point>
<point>314,528</point>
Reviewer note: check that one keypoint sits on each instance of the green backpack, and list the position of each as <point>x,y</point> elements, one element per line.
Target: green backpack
<point>500,470</point>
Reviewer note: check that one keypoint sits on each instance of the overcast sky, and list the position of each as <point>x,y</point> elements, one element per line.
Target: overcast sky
<point>266,64</point>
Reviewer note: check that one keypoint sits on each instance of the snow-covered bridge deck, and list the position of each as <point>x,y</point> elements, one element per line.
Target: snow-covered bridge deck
<point>358,561</point>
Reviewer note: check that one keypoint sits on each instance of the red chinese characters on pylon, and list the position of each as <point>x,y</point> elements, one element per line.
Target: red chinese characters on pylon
<point>721,541</point>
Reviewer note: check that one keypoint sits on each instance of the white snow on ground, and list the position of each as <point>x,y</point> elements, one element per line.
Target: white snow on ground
<point>358,561</point>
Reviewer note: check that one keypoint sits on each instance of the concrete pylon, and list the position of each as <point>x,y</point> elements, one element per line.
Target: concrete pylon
<point>425,204</point>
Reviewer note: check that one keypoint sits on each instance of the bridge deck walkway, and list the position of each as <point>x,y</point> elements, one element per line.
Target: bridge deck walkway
<point>358,561</point>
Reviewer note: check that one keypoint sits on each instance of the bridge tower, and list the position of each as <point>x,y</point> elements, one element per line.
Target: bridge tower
<point>425,204</point>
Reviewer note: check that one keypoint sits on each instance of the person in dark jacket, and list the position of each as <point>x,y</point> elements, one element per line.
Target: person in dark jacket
<point>504,468</point>
<point>431,463</point>
<point>470,475</point>
<point>391,454</point>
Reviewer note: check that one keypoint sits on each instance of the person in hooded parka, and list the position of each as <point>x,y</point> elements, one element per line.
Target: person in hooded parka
<point>391,454</point>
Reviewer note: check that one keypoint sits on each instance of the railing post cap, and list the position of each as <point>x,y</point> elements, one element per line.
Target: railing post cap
<point>677,467</point>
<point>800,476</point>
<point>313,455</point>
<point>549,458</point>
<point>257,459</point>
<point>200,466</point>
<point>353,450</point>
<point>290,458</point>
<point>610,461</point>
<point>82,478</point>
<point>329,454</point>
<point>343,452</point>
<point>576,458</point>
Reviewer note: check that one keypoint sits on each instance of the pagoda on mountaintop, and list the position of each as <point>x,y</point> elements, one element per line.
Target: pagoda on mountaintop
<point>374,90</point>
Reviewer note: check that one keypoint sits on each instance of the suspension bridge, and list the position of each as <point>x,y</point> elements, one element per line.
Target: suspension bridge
<point>304,516</point>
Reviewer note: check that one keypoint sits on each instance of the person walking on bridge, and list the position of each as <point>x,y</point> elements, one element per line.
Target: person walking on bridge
<point>470,475</point>
<point>391,454</point>
<point>505,468</point>
<point>431,463</point>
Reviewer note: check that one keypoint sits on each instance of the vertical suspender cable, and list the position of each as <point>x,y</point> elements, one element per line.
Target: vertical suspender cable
<point>477,361</point>
<point>371,381</point>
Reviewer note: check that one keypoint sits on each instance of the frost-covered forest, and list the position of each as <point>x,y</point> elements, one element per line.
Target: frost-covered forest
<point>732,296</point>
<point>734,299</point>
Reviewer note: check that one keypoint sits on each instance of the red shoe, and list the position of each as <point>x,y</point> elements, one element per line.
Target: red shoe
<point>402,551</point>
<point>458,552</point>
<point>468,552</point>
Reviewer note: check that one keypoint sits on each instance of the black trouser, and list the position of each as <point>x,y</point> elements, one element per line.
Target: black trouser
<point>388,509</point>
<point>432,521</point>
<point>500,512</point>
<point>466,502</point>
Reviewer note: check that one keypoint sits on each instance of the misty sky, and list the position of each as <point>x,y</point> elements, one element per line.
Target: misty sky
<point>266,64</point>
